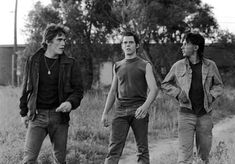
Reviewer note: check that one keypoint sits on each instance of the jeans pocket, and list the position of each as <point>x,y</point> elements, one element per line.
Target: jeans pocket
<point>40,119</point>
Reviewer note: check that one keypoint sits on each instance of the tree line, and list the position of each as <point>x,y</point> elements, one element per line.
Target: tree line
<point>94,23</point>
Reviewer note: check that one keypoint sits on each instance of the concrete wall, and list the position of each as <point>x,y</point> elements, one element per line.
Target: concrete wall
<point>6,52</point>
<point>106,73</point>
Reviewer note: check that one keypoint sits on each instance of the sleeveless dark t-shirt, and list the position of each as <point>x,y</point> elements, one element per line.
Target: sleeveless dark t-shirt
<point>132,85</point>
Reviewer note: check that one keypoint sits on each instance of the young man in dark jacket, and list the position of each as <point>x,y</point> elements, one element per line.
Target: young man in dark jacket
<point>195,82</point>
<point>52,87</point>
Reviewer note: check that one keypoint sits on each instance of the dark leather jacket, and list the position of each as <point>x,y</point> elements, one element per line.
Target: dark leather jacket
<point>69,87</point>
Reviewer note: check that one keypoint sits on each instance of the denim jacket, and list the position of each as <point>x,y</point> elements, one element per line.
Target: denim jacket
<point>180,78</point>
<point>69,86</point>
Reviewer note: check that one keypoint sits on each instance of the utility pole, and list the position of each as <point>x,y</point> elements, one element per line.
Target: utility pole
<point>14,55</point>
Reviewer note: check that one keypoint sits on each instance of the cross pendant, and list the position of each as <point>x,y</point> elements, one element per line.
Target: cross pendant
<point>49,72</point>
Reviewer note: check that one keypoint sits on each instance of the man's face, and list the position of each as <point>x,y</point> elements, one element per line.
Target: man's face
<point>128,45</point>
<point>57,44</point>
<point>188,49</point>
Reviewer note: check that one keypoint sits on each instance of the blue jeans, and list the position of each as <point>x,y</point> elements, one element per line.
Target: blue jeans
<point>119,132</point>
<point>189,126</point>
<point>46,122</point>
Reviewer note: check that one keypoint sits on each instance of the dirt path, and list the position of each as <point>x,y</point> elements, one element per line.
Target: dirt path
<point>165,151</point>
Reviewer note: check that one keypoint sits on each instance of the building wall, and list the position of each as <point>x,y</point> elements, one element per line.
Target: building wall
<point>6,52</point>
<point>106,73</point>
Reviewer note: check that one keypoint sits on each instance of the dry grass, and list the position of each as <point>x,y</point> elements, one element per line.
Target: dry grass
<point>88,140</point>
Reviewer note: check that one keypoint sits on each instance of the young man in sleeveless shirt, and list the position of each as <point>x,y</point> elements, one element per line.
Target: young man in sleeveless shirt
<point>132,78</point>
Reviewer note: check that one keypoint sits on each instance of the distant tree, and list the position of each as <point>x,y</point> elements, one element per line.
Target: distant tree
<point>224,37</point>
<point>38,19</point>
<point>89,22</point>
<point>164,21</point>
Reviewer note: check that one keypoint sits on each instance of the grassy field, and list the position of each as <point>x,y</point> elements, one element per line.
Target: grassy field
<point>88,140</point>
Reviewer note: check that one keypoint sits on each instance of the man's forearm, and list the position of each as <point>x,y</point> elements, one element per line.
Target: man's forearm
<point>217,86</point>
<point>24,100</point>
<point>151,97</point>
<point>109,103</point>
<point>217,90</point>
<point>170,89</point>
<point>76,97</point>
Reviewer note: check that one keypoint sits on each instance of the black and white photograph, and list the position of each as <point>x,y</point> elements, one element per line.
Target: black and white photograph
<point>117,82</point>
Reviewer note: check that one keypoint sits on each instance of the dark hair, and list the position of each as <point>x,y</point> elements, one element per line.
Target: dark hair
<point>196,39</point>
<point>51,31</point>
<point>129,33</point>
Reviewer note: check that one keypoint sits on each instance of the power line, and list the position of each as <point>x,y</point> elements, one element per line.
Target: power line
<point>228,22</point>
<point>226,17</point>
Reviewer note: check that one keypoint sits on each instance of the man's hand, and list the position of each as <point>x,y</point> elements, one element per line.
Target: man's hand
<point>141,112</point>
<point>183,97</point>
<point>25,121</point>
<point>104,120</point>
<point>64,107</point>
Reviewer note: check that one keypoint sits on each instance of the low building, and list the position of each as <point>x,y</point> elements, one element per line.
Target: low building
<point>6,52</point>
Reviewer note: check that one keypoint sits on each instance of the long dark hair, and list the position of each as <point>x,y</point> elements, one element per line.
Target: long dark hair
<point>196,39</point>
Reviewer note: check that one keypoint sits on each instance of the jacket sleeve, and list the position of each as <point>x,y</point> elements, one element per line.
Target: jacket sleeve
<point>217,85</point>
<point>77,85</point>
<point>168,85</point>
<point>25,91</point>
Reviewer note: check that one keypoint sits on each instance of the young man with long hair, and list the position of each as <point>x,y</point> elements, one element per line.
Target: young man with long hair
<point>195,82</point>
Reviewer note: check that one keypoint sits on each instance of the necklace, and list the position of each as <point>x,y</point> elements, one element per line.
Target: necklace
<point>49,68</point>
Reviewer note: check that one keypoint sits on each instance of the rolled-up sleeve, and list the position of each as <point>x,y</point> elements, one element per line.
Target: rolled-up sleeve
<point>168,85</point>
<point>217,87</point>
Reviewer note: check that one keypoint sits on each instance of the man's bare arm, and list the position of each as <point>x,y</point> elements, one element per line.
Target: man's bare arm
<point>110,100</point>
<point>153,90</point>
